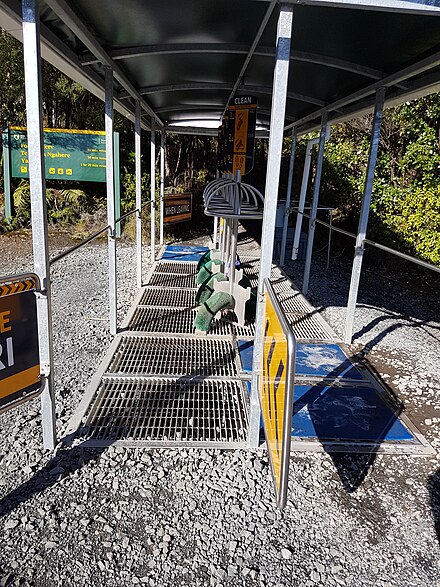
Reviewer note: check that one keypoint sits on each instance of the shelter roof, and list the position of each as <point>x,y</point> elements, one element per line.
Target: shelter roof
<point>184,59</point>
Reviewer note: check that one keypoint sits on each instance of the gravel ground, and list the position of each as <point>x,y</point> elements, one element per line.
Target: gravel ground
<point>196,517</point>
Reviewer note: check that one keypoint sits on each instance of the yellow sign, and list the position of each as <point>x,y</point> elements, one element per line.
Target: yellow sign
<point>276,390</point>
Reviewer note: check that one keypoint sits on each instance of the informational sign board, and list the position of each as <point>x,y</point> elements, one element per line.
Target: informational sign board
<point>276,390</point>
<point>69,154</point>
<point>177,208</point>
<point>19,354</point>
<point>243,117</point>
<point>236,136</point>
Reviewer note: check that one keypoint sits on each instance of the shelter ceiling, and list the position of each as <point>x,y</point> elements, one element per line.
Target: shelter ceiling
<point>184,57</point>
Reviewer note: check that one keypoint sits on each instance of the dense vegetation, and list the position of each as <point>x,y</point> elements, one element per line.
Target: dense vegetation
<point>405,210</point>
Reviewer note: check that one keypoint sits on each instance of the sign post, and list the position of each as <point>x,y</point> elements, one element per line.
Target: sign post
<point>276,390</point>
<point>20,378</point>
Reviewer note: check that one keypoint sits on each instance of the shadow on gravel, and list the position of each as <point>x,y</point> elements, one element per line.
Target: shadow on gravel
<point>64,463</point>
<point>434,498</point>
<point>402,321</point>
<point>352,469</point>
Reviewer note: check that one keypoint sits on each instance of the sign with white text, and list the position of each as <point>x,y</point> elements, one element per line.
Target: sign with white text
<point>19,352</point>
<point>78,155</point>
<point>177,208</point>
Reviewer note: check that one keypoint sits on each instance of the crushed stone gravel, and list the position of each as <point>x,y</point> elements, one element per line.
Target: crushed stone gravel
<point>121,517</point>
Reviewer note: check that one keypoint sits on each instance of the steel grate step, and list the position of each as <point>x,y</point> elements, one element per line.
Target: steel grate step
<point>172,280</point>
<point>180,321</point>
<point>173,411</point>
<point>168,297</point>
<point>170,320</point>
<point>178,268</point>
<point>310,327</point>
<point>294,303</point>
<point>191,357</point>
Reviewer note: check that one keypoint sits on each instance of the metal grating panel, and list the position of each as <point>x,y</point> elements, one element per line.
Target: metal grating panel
<point>172,280</point>
<point>310,327</point>
<point>171,320</point>
<point>168,297</point>
<point>180,268</point>
<point>246,331</point>
<point>191,357</point>
<point>294,303</point>
<point>168,410</point>
<point>281,286</point>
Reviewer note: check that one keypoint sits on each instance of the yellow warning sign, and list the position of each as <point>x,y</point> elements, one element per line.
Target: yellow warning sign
<point>276,389</point>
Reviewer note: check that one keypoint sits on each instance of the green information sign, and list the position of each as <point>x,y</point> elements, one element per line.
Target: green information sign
<point>69,154</point>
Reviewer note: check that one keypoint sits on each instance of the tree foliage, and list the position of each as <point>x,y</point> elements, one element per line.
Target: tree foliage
<point>405,209</point>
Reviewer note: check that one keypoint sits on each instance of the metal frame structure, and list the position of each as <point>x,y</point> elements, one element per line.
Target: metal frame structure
<point>82,52</point>
<point>281,74</point>
<point>32,68</point>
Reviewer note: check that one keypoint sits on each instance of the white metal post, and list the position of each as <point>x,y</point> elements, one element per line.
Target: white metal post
<point>365,211</point>
<point>313,211</point>
<point>32,71</point>
<point>281,74</point>
<point>214,234</point>
<point>112,287</point>
<point>302,197</point>
<point>138,173</point>
<point>162,182</point>
<point>288,198</point>
<point>153,190</point>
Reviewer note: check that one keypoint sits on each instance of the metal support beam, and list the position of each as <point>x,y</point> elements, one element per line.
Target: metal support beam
<point>7,175</point>
<point>235,49</point>
<point>32,72</point>
<point>153,191</point>
<point>254,45</point>
<point>111,215</point>
<point>288,199</point>
<point>393,79</point>
<point>162,182</point>
<point>138,174</point>
<point>365,211</point>
<point>117,174</point>
<point>314,209</point>
<point>218,87</point>
<point>65,12</point>
<point>302,197</point>
<point>279,98</point>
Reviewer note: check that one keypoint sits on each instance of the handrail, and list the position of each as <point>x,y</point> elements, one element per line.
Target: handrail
<point>403,255</point>
<point>379,246</point>
<point>331,226</point>
<point>77,246</point>
<point>93,236</point>
<point>121,218</point>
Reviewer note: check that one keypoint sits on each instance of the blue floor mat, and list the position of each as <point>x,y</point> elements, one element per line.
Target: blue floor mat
<point>344,414</point>
<point>324,360</point>
<point>183,253</point>
<point>312,360</point>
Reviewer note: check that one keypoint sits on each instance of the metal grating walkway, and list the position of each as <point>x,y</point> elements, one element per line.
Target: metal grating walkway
<point>200,357</point>
<point>187,281</point>
<point>162,385</point>
<point>168,297</point>
<point>176,267</point>
<point>158,411</point>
